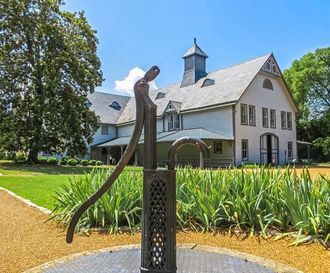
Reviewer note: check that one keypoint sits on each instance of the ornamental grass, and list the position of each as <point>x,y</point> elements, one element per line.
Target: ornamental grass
<point>261,201</point>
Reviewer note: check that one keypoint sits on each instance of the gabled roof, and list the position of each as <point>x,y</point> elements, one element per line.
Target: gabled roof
<point>176,106</point>
<point>100,103</point>
<point>230,84</point>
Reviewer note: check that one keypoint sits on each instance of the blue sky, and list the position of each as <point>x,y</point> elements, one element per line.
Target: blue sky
<point>140,33</point>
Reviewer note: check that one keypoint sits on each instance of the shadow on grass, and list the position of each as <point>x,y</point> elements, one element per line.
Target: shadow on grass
<point>52,170</point>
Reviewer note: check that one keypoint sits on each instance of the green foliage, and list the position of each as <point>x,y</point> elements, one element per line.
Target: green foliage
<point>121,206</point>
<point>308,78</point>
<point>48,65</point>
<point>98,163</point>
<point>92,162</point>
<point>43,160</point>
<point>254,200</point>
<point>20,157</point>
<point>52,161</point>
<point>63,161</point>
<point>84,162</point>
<point>72,162</point>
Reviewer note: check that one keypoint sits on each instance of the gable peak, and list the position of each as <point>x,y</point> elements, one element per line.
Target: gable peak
<point>271,66</point>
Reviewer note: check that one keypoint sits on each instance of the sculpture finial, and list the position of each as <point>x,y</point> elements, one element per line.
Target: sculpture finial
<point>195,41</point>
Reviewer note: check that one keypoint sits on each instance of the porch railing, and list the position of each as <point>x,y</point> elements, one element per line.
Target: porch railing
<point>213,162</point>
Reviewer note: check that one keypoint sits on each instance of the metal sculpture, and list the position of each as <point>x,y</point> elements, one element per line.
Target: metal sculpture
<point>158,244</point>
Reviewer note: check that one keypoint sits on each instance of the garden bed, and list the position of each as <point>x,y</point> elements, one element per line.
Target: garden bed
<point>27,241</point>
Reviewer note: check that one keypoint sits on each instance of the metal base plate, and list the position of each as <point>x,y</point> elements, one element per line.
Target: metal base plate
<point>128,261</point>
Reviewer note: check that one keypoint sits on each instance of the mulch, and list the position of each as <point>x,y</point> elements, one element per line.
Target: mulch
<point>27,240</point>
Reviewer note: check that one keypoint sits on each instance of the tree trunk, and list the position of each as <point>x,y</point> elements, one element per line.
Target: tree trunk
<point>33,156</point>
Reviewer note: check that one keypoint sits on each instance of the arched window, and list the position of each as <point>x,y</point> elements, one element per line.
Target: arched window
<point>115,105</point>
<point>267,84</point>
<point>160,95</point>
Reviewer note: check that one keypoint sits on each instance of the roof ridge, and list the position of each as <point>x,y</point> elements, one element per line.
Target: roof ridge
<point>111,94</point>
<point>214,71</point>
<point>240,63</point>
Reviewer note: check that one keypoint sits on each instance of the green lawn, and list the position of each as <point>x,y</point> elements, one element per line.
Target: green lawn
<point>39,183</point>
<point>38,189</point>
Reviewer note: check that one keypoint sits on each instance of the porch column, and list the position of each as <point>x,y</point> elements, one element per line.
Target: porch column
<point>201,160</point>
<point>108,153</point>
<point>121,150</point>
<point>136,158</point>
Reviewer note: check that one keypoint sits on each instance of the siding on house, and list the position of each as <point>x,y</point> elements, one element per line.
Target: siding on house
<point>260,97</point>
<point>218,120</point>
<point>99,138</point>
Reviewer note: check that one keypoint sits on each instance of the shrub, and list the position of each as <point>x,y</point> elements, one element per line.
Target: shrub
<point>52,161</point>
<point>92,162</point>
<point>20,158</point>
<point>72,162</point>
<point>43,160</point>
<point>99,163</point>
<point>252,200</point>
<point>84,162</point>
<point>63,161</point>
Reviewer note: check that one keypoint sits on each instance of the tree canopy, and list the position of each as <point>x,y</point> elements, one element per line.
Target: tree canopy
<point>309,80</point>
<point>49,65</point>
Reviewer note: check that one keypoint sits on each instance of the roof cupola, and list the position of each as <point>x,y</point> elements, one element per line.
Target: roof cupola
<point>194,65</point>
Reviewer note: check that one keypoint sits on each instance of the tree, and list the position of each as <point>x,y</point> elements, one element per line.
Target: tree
<point>309,80</point>
<point>48,66</point>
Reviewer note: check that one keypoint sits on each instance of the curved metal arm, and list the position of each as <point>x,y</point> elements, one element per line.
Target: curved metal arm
<point>171,162</point>
<point>142,100</point>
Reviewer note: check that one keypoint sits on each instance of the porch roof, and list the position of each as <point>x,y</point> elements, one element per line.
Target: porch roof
<point>196,133</point>
<point>169,137</point>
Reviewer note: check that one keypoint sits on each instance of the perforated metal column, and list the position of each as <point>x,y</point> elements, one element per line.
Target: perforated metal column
<point>158,251</point>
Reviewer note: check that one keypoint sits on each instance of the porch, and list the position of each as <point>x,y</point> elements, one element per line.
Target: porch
<point>221,148</point>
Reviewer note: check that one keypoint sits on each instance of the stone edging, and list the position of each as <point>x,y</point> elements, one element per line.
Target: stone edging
<point>277,267</point>
<point>26,201</point>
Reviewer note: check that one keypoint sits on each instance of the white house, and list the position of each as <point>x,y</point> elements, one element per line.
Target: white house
<point>244,112</point>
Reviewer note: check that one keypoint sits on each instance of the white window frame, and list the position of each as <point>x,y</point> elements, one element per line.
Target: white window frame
<point>174,122</point>
<point>272,118</point>
<point>244,114</point>
<point>105,130</point>
<point>283,120</point>
<point>252,115</point>
<point>245,149</point>
<point>289,120</point>
<point>264,117</point>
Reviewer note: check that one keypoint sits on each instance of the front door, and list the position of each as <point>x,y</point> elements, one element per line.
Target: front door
<point>269,149</point>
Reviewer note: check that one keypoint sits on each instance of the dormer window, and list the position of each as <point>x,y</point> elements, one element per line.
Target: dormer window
<point>88,103</point>
<point>173,121</point>
<point>160,95</point>
<point>208,82</point>
<point>115,105</point>
<point>267,84</point>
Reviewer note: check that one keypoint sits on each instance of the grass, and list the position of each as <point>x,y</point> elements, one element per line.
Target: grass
<point>38,183</point>
<point>38,189</point>
<point>26,170</point>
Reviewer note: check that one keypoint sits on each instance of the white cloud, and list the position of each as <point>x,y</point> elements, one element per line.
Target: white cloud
<point>126,85</point>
